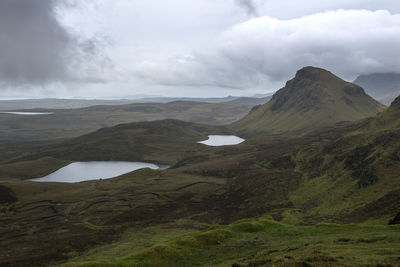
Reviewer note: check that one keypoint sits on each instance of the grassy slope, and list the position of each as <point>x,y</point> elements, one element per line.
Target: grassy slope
<point>283,177</point>
<point>55,221</point>
<point>331,188</point>
<point>328,189</point>
<point>31,169</point>
<point>67,219</point>
<point>254,242</point>
<point>314,98</point>
<point>344,174</point>
<point>354,177</point>
<point>163,142</point>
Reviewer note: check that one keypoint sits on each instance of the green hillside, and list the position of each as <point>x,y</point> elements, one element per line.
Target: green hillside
<point>331,195</point>
<point>253,242</point>
<point>354,177</point>
<point>320,198</point>
<point>338,175</point>
<point>163,142</point>
<point>313,98</point>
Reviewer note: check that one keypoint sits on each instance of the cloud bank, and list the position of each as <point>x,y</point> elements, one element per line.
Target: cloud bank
<point>35,49</point>
<point>263,50</point>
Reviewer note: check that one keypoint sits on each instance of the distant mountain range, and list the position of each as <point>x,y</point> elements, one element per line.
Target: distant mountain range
<point>384,87</point>
<point>313,98</point>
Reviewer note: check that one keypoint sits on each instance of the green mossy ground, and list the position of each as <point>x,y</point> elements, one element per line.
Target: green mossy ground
<point>256,242</point>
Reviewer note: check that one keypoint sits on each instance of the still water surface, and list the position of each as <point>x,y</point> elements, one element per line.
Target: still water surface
<point>27,113</point>
<point>222,140</point>
<point>93,170</point>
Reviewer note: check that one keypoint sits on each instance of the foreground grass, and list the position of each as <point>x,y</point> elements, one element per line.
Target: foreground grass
<point>254,242</point>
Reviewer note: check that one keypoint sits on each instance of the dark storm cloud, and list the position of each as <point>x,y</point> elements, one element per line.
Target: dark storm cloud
<point>249,6</point>
<point>35,48</point>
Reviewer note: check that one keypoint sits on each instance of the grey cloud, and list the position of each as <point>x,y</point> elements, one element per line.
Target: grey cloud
<point>249,6</point>
<point>36,49</point>
<point>266,50</point>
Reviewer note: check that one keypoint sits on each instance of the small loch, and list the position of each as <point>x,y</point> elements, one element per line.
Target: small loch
<point>222,140</point>
<point>27,113</point>
<point>94,170</point>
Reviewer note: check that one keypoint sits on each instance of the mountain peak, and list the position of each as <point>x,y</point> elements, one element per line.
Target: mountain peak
<point>313,73</point>
<point>313,98</point>
<point>313,88</point>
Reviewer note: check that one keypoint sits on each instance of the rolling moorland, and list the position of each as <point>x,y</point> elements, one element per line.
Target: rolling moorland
<point>314,184</point>
<point>60,103</point>
<point>67,123</point>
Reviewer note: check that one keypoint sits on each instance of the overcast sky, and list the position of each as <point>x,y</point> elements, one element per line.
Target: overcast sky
<point>120,48</point>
